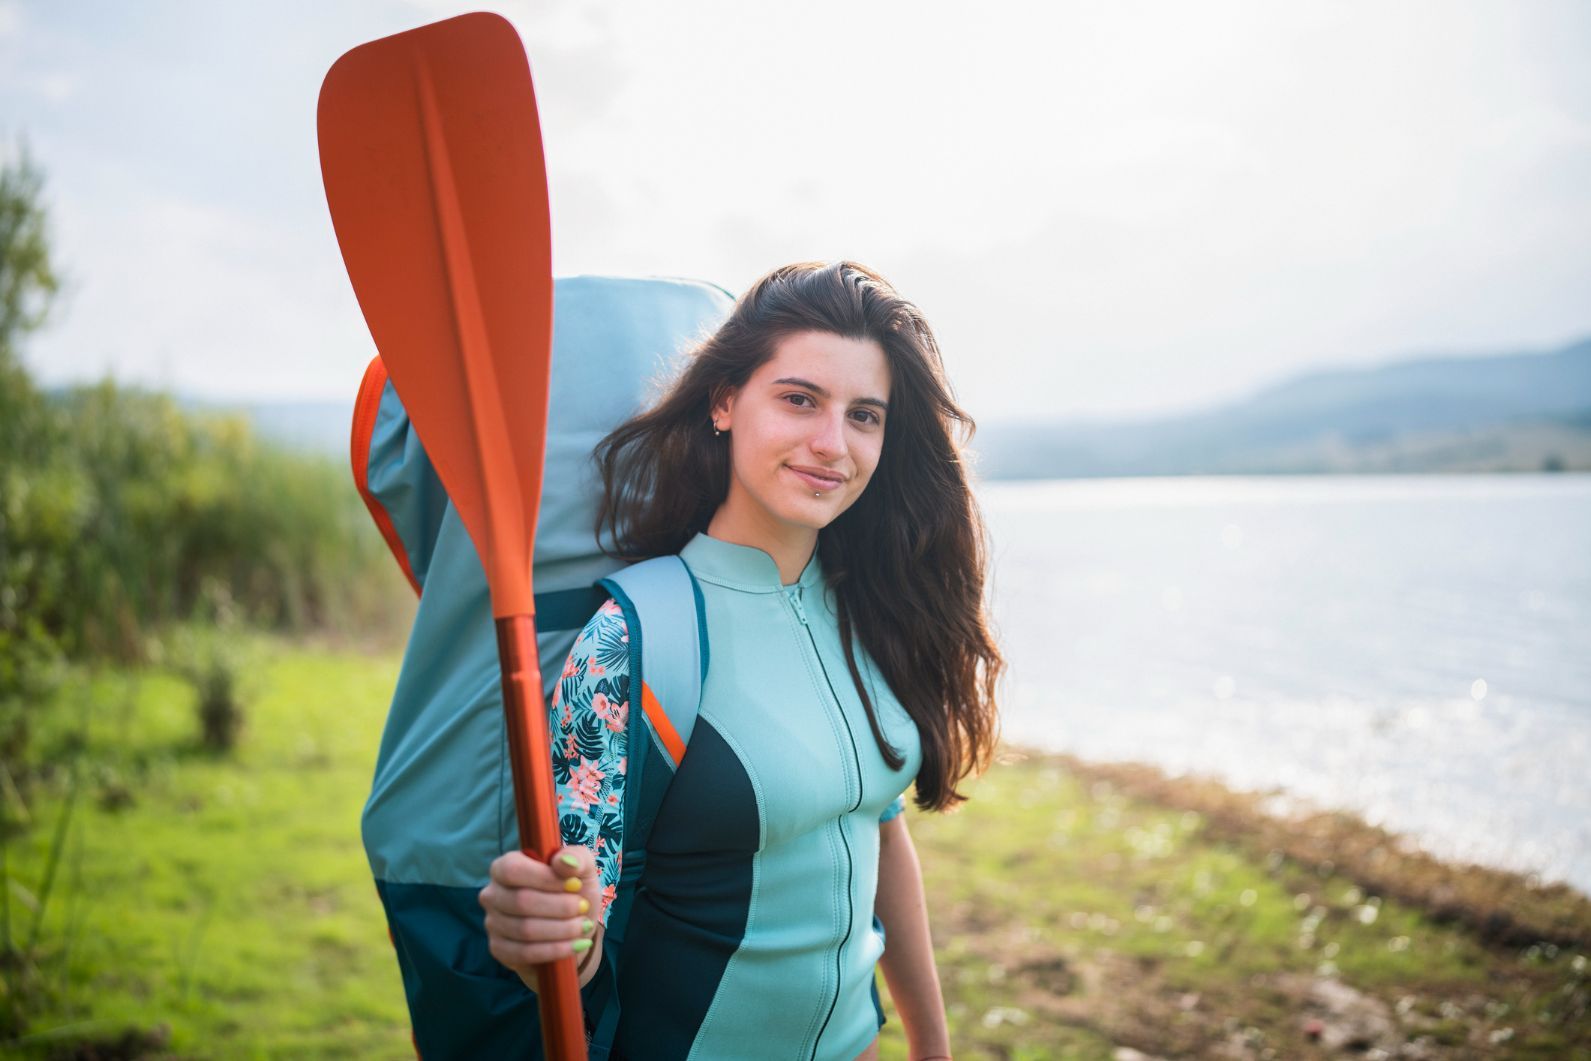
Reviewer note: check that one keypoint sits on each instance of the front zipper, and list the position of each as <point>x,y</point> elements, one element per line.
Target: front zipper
<point>794,597</point>
<point>801,612</point>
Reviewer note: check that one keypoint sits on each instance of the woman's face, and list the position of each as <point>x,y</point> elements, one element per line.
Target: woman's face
<point>806,431</point>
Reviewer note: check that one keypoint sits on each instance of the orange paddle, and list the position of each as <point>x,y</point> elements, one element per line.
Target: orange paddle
<point>431,152</point>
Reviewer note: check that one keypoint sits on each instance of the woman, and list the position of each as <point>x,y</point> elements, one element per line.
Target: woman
<point>804,468</point>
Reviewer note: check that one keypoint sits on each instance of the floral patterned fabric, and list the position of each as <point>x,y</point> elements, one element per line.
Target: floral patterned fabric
<point>590,743</point>
<point>588,721</point>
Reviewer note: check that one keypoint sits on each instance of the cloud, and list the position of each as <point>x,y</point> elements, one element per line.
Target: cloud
<point>1101,207</point>
<point>205,299</point>
<point>57,86</point>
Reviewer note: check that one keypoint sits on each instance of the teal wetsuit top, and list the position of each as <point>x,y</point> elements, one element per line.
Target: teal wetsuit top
<point>753,932</point>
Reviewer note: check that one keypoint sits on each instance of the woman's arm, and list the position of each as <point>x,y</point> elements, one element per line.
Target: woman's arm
<point>588,723</point>
<point>908,960</point>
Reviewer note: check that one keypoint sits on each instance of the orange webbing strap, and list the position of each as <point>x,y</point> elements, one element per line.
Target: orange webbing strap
<point>366,406</point>
<point>664,728</point>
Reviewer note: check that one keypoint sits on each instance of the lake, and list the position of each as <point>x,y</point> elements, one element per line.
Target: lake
<point>1414,648</point>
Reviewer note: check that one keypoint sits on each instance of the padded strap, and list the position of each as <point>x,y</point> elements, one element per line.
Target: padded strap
<point>667,606</point>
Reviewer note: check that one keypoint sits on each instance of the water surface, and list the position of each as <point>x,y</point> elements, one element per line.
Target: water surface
<point>1410,647</point>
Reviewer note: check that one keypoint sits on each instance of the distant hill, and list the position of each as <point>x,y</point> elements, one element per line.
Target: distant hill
<point>1510,412</point>
<point>307,426</point>
<point>1507,412</point>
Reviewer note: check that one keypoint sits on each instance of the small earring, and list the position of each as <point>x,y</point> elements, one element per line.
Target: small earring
<point>716,432</point>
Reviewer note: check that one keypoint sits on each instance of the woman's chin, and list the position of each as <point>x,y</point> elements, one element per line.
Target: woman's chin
<point>806,511</point>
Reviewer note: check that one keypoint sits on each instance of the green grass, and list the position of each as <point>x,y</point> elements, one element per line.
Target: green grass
<point>229,901</point>
<point>1070,918</point>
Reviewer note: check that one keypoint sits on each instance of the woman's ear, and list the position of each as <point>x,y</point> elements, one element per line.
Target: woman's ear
<point>721,410</point>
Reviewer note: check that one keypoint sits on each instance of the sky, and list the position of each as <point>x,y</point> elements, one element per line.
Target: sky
<point>1103,209</point>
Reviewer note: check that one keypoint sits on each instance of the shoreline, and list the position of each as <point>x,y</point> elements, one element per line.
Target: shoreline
<point>1107,911</point>
<point>1501,906</point>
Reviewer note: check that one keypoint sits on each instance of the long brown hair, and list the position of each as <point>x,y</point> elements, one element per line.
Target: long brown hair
<point>906,562</point>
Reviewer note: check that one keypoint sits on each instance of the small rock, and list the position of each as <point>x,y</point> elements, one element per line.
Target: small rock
<point>1354,1020</point>
<point>1127,1053</point>
<point>1004,1015</point>
<point>1423,1048</point>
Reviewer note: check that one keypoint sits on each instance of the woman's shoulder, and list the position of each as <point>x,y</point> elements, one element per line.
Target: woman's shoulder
<point>609,613</point>
<point>606,626</point>
<point>597,666</point>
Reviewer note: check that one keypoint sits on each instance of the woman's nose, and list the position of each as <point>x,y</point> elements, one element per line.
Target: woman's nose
<point>829,437</point>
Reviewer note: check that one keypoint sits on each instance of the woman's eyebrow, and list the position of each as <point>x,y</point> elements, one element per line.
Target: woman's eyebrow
<point>821,393</point>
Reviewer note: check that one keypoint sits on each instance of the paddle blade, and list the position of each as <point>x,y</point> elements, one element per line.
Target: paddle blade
<point>431,153</point>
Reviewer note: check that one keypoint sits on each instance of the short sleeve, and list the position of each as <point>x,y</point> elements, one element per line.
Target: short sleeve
<point>893,809</point>
<point>588,722</point>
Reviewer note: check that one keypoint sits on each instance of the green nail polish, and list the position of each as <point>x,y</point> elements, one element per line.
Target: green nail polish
<point>569,860</point>
<point>586,926</point>
<point>580,946</point>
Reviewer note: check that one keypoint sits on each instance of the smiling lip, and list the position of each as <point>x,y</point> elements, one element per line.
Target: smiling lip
<point>823,481</point>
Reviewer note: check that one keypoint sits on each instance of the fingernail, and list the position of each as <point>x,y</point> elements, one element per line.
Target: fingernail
<point>569,860</point>
<point>580,946</point>
<point>586,926</point>
<point>585,905</point>
<point>571,884</point>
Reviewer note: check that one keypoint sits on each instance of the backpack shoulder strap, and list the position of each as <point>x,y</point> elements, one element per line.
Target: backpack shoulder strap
<point>667,624</point>
<point>664,612</point>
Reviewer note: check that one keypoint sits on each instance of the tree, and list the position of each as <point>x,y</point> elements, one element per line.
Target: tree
<point>28,285</point>
<point>28,282</point>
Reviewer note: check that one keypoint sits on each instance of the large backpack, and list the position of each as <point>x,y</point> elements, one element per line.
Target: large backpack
<point>441,803</point>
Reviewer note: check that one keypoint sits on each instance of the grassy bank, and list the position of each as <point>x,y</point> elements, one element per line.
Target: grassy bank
<point>1080,908</point>
<point>212,907</point>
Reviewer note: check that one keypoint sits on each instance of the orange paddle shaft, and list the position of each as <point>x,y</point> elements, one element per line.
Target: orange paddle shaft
<point>524,712</point>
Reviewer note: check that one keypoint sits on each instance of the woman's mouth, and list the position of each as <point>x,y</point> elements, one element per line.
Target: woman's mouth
<point>815,480</point>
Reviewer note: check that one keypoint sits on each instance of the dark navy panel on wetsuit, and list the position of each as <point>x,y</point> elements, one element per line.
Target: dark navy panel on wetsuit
<point>690,915</point>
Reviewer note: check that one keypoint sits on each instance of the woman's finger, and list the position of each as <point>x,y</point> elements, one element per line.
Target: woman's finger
<point>515,869</point>
<point>537,929</point>
<point>528,902</point>
<point>574,862</point>
<point>526,955</point>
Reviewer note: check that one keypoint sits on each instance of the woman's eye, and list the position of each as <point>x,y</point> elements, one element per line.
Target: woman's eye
<point>869,416</point>
<point>808,397</point>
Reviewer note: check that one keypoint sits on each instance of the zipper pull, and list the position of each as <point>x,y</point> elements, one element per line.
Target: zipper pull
<point>795,601</point>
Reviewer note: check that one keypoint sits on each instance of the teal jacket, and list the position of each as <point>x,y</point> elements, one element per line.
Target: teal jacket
<point>753,932</point>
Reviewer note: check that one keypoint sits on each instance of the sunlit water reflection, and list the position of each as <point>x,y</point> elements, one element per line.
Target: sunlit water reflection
<point>1411,647</point>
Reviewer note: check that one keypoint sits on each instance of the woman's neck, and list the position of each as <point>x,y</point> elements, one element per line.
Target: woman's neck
<point>790,545</point>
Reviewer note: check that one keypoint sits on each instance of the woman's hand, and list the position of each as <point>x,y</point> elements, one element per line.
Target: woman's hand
<point>538,912</point>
